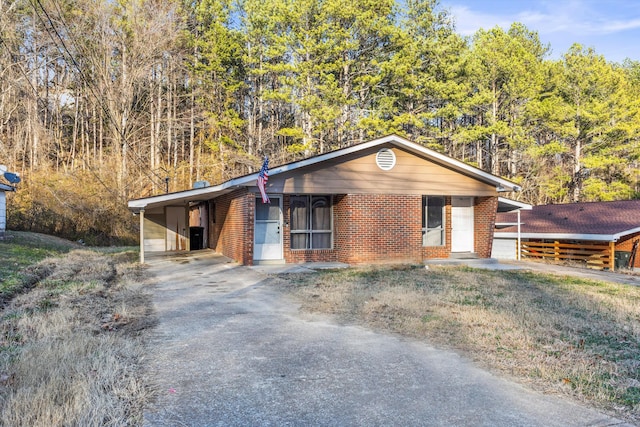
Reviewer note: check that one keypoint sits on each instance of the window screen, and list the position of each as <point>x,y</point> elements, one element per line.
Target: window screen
<point>433,216</point>
<point>311,224</point>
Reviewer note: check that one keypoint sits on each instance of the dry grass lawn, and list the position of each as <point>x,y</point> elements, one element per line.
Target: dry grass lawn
<point>72,344</point>
<point>72,330</point>
<point>562,335</point>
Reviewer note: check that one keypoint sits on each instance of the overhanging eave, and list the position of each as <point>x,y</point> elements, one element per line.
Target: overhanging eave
<point>182,198</point>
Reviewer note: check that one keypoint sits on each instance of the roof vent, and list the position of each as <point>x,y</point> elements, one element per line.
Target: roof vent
<point>385,159</point>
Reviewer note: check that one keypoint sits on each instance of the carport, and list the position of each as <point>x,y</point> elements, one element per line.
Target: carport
<point>173,221</point>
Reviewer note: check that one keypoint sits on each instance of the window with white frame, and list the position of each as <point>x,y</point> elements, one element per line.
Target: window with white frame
<point>433,224</point>
<point>311,222</point>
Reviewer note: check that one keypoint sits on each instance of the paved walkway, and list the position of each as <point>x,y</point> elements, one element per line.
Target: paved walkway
<point>231,351</point>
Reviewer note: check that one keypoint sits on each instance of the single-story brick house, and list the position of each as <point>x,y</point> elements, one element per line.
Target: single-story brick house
<point>4,188</point>
<point>573,231</point>
<point>386,200</point>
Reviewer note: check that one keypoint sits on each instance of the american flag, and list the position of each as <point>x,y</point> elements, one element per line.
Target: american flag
<point>263,177</point>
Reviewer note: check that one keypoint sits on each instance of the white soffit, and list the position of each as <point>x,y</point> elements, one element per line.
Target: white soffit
<point>508,205</point>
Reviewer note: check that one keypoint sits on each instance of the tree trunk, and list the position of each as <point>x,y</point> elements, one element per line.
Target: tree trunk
<point>577,180</point>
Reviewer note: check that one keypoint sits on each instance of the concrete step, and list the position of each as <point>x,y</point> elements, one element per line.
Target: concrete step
<point>463,255</point>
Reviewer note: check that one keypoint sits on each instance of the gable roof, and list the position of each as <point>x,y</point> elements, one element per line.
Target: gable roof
<point>603,221</point>
<point>249,180</point>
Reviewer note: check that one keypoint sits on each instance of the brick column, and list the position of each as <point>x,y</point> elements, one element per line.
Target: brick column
<point>484,222</point>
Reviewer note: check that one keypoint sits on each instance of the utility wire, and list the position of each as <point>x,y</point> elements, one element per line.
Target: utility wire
<point>22,71</point>
<point>65,49</point>
<point>107,187</point>
<point>89,85</point>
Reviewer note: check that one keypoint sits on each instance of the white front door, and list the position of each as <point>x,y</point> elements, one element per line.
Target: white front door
<point>462,230</point>
<point>176,228</point>
<point>268,230</point>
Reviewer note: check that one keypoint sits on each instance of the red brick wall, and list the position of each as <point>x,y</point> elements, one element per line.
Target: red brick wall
<point>484,222</point>
<point>366,228</point>
<point>231,226</point>
<point>378,228</point>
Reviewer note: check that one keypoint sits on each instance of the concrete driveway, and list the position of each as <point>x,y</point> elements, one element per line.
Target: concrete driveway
<point>231,351</point>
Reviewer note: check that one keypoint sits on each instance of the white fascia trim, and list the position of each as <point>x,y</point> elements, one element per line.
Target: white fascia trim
<point>557,236</point>
<point>236,182</point>
<point>391,139</point>
<point>626,233</point>
<point>142,203</point>
<point>569,236</point>
<point>187,194</point>
<point>335,154</point>
<point>496,180</point>
<point>240,181</point>
<point>514,203</point>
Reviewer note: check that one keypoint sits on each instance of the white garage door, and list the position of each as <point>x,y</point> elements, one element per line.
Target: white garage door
<point>503,248</point>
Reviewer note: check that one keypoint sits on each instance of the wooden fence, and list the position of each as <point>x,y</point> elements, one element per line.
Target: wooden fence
<point>598,255</point>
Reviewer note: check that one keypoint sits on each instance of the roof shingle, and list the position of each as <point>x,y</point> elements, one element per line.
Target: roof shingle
<point>576,218</point>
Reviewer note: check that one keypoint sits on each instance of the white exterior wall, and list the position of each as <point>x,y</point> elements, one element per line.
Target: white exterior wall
<point>3,212</point>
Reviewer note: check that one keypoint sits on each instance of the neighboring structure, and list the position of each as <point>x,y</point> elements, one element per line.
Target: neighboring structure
<point>4,188</point>
<point>601,234</point>
<point>386,200</point>
<point>507,248</point>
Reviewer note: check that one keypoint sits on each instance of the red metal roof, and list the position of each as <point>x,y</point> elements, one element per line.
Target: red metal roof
<point>607,218</point>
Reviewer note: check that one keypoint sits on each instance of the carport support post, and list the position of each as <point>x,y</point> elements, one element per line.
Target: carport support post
<point>519,238</point>
<point>141,236</point>
<point>612,256</point>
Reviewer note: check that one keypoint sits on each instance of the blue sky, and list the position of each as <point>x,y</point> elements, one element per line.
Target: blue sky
<point>611,27</point>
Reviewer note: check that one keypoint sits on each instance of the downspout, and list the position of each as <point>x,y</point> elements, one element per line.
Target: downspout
<point>141,236</point>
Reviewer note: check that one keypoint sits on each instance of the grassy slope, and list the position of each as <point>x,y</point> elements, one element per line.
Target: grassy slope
<point>563,335</point>
<point>21,250</point>
<point>72,341</point>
